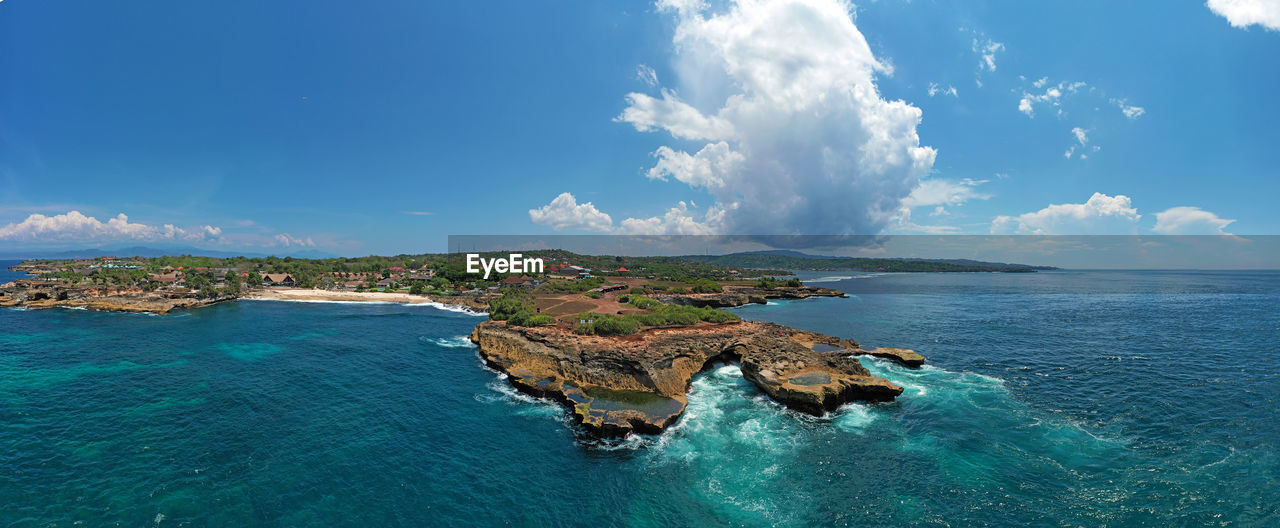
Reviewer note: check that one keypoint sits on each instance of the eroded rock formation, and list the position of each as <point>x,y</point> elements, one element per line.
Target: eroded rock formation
<point>618,385</point>
<point>48,294</point>
<point>738,296</point>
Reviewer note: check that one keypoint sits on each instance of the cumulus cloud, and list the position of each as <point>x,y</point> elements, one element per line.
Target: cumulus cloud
<point>564,212</point>
<point>677,221</point>
<point>1190,221</point>
<point>1101,214</point>
<point>706,169</point>
<point>796,137</point>
<point>1245,13</point>
<point>75,226</point>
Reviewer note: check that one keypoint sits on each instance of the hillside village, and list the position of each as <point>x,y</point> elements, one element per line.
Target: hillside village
<point>438,276</point>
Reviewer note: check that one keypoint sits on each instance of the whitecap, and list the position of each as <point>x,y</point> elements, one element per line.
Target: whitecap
<point>854,418</point>
<point>460,341</point>
<point>834,278</point>
<point>452,308</point>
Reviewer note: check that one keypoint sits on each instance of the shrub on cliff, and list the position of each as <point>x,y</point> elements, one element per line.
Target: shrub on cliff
<point>644,303</point>
<point>612,325</point>
<point>509,304</point>
<point>528,319</point>
<point>706,286</point>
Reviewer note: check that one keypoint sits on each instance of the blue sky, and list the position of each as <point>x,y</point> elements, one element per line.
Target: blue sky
<point>357,129</point>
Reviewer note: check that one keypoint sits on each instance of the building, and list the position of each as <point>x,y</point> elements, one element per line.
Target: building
<point>519,282</point>
<point>277,279</point>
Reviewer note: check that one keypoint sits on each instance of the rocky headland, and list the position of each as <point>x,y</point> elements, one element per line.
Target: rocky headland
<point>638,383</point>
<point>743,295</point>
<point>30,293</point>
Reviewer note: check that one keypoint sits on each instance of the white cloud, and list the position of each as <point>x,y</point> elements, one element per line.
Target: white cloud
<point>75,226</point>
<point>1190,221</point>
<point>1051,97</point>
<point>797,136</point>
<point>986,50</point>
<point>677,221</point>
<point>1129,111</point>
<point>647,75</point>
<point>938,193</point>
<point>1082,135</point>
<point>419,213</point>
<point>1245,13</point>
<point>934,89</point>
<point>705,169</point>
<point>1101,214</point>
<point>1082,141</point>
<point>944,192</point>
<point>564,212</point>
<point>674,116</point>
<point>287,240</point>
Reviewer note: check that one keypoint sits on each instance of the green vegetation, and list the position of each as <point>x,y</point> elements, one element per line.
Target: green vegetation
<point>643,303</point>
<point>517,309</point>
<point>614,325</point>
<point>770,283</point>
<point>705,286</point>
<point>661,315</point>
<point>510,304</point>
<point>571,286</point>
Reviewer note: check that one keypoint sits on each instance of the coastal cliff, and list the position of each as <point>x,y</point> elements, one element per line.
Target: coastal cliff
<point>45,294</point>
<point>618,385</point>
<point>739,296</point>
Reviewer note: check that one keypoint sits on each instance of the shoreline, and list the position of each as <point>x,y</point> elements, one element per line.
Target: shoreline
<point>327,296</point>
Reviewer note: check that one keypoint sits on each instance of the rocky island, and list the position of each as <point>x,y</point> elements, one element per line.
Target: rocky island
<point>638,383</point>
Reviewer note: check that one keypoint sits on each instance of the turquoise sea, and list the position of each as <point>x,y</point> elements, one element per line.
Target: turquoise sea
<point>1064,398</point>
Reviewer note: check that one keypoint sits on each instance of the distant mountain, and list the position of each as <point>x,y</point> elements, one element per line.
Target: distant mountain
<point>146,251</point>
<point>793,260</point>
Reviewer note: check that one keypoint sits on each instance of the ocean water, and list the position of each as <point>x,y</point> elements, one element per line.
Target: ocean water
<point>1051,399</point>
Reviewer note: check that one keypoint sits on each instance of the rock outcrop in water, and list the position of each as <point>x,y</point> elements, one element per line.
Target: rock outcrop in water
<point>638,383</point>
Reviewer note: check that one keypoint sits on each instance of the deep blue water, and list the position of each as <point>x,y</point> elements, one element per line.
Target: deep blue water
<point>1063,398</point>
